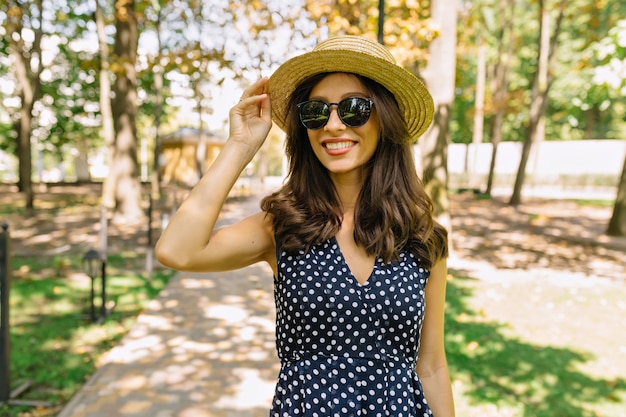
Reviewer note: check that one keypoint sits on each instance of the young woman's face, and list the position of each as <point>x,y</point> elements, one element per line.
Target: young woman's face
<point>340,148</point>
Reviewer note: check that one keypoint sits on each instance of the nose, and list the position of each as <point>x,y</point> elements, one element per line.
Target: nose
<point>334,122</point>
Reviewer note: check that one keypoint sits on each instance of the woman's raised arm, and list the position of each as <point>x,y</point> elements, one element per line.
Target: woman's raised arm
<point>190,242</point>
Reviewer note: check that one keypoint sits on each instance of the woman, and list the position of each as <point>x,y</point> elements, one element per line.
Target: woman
<point>359,263</point>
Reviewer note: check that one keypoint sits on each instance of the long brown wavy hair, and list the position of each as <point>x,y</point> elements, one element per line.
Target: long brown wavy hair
<point>393,211</point>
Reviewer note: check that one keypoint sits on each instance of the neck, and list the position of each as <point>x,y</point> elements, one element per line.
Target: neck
<point>348,188</point>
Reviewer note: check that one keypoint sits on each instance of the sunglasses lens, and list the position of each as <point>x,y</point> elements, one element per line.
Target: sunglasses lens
<point>354,111</point>
<point>313,114</point>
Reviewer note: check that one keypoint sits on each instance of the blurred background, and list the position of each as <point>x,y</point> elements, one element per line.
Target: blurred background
<point>110,111</point>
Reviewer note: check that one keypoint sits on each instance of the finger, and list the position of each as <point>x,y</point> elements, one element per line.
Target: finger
<point>266,108</point>
<point>256,99</point>
<point>255,89</point>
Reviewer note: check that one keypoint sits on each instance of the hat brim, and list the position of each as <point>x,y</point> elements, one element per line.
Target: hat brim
<point>413,98</point>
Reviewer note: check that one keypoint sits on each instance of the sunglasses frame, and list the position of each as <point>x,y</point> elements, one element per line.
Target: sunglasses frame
<point>329,105</point>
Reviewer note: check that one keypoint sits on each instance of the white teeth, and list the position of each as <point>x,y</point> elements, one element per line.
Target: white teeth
<point>337,145</point>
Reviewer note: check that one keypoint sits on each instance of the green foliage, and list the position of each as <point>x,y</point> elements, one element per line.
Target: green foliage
<point>579,106</point>
<point>609,73</point>
<point>585,104</point>
<point>8,138</point>
<point>73,96</point>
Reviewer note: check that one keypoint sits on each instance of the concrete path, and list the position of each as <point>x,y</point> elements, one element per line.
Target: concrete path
<point>203,348</point>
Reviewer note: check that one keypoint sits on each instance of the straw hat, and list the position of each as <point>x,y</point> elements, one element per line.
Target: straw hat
<point>357,55</point>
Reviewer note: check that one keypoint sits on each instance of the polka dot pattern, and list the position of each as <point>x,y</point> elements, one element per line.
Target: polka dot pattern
<point>348,349</point>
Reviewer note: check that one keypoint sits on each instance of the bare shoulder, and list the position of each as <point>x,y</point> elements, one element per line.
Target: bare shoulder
<point>439,271</point>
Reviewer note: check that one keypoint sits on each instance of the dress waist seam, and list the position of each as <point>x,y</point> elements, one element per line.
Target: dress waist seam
<point>317,356</point>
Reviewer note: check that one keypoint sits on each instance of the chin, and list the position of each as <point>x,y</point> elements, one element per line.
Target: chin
<point>343,169</point>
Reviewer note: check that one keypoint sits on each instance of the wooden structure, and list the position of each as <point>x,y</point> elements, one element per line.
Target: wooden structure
<point>186,153</point>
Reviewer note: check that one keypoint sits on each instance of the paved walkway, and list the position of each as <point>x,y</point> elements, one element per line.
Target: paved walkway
<point>203,348</point>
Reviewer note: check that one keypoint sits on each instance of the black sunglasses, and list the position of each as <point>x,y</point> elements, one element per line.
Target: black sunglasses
<point>352,111</point>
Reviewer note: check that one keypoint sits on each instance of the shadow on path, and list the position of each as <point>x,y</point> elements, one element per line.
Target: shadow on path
<point>558,234</point>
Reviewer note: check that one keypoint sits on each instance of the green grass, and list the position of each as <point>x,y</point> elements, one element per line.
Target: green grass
<point>497,372</point>
<point>54,344</point>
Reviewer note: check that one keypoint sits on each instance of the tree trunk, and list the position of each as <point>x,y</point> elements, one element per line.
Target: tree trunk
<point>440,77</point>
<point>155,178</point>
<point>81,161</point>
<point>617,224</point>
<point>124,167</point>
<point>500,84</point>
<point>592,122</point>
<point>479,114</point>
<point>24,155</point>
<point>539,96</point>
<point>108,187</point>
<point>201,150</point>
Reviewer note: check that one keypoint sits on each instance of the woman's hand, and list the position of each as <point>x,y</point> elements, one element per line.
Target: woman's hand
<point>251,119</point>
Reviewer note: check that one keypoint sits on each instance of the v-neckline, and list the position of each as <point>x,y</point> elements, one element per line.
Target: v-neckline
<point>352,276</point>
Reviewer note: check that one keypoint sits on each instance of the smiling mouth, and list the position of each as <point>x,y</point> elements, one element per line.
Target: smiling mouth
<point>338,145</point>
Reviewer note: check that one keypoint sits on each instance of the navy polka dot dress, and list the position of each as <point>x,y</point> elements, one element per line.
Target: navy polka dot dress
<point>348,349</point>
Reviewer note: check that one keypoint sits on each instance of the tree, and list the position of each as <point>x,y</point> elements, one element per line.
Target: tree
<point>24,20</point>
<point>173,53</point>
<point>106,112</point>
<point>582,105</point>
<point>440,78</point>
<point>611,74</point>
<point>71,119</point>
<point>479,114</point>
<point>68,106</point>
<point>157,70</point>
<point>577,108</point>
<point>542,81</point>
<point>124,167</point>
<point>7,141</point>
<point>500,81</point>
